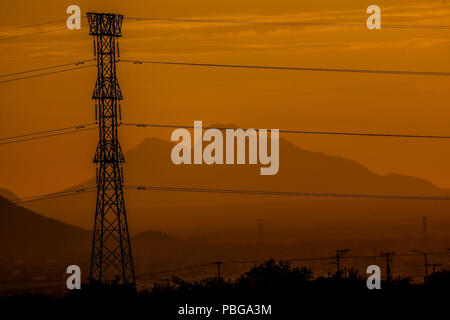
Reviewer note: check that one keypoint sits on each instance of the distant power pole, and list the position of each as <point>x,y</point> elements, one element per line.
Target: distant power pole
<point>111,259</point>
<point>426,266</point>
<point>425,263</point>
<point>434,265</point>
<point>218,263</point>
<point>339,254</point>
<point>388,256</point>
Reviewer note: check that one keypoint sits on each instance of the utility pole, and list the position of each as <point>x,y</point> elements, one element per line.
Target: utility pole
<point>434,265</point>
<point>111,256</point>
<point>339,254</point>
<point>425,278</point>
<point>388,256</point>
<point>218,263</point>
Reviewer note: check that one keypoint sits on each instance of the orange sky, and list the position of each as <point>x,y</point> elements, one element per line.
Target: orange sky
<point>247,98</point>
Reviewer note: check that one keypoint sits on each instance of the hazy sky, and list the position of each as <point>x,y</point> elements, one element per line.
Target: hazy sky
<point>247,98</point>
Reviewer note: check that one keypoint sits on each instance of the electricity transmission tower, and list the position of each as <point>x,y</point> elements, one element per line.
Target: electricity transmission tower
<point>111,259</point>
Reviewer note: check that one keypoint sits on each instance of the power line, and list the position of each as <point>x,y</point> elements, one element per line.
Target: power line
<point>286,260</point>
<point>288,193</point>
<point>52,194</point>
<point>33,288</point>
<point>234,262</point>
<point>81,126</point>
<point>46,74</point>
<point>309,259</point>
<point>397,255</point>
<point>246,192</point>
<point>175,270</point>
<point>292,23</point>
<point>386,135</point>
<point>393,72</point>
<point>35,25</point>
<point>49,196</point>
<point>46,136</point>
<point>33,34</point>
<point>32,25</point>
<point>239,262</point>
<point>31,136</point>
<point>46,68</point>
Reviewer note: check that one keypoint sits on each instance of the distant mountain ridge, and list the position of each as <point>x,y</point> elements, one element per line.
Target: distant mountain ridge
<point>24,233</point>
<point>300,170</point>
<point>6,194</point>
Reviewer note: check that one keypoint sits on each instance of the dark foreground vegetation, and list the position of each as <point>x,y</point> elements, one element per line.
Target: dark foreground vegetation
<point>291,292</point>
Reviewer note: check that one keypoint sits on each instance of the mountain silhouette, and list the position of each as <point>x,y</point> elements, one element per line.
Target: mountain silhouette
<point>235,215</point>
<point>25,234</point>
<point>6,194</point>
<point>154,236</point>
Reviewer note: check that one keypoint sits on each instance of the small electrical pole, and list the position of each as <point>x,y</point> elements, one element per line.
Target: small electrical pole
<point>219,263</point>
<point>388,256</point>
<point>425,278</point>
<point>434,265</point>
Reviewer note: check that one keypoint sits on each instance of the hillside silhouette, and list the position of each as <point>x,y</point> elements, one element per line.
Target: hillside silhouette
<point>6,194</point>
<point>234,215</point>
<point>25,234</point>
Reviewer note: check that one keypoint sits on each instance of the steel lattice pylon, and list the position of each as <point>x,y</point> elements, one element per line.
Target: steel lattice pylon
<point>111,259</point>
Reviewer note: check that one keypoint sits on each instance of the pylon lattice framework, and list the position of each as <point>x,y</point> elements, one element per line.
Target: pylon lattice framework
<point>111,258</point>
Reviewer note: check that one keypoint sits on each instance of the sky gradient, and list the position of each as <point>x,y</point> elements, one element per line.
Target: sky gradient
<point>246,98</point>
